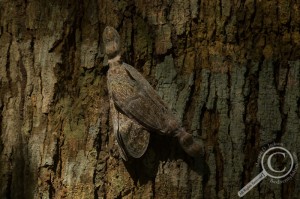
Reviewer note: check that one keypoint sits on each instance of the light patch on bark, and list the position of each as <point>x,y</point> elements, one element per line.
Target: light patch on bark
<point>47,62</point>
<point>89,50</point>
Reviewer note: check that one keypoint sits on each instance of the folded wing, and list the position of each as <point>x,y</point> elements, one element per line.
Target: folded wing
<point>132,137</point>
<point>144,104</point>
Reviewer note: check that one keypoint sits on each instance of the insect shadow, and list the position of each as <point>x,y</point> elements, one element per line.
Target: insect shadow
<point>163,149</point>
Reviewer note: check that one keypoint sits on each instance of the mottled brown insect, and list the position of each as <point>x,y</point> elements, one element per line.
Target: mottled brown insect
<point>136,108</point>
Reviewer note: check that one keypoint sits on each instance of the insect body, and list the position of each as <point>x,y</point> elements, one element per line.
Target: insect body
<point>136,108</point>
<point>132,137</point>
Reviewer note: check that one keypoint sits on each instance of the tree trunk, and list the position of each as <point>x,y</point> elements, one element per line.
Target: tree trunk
<point>230,70</point>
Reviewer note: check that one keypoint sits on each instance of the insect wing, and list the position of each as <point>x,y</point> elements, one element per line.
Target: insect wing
<point>146,106</point>
<point>132,138</point>
<point>116,121</point>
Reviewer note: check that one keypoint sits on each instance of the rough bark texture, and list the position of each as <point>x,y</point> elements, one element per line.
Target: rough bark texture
<point>230,69</point>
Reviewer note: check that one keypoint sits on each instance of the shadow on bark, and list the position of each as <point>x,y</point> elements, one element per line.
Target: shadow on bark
<point>163,149</point>
<point>19,180</point>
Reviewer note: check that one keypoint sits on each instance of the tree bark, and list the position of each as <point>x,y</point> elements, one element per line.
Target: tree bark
<point>230,70</point>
